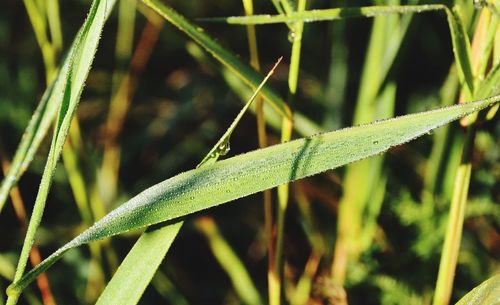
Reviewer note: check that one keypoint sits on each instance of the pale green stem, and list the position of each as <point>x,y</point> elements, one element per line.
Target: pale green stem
<point>286,135</point>
<point>451,247</point>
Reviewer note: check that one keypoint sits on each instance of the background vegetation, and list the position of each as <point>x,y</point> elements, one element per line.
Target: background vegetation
<point>155,103</point>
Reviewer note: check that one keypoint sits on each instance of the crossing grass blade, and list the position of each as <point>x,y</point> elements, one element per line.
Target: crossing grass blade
<point>142,261</point>
<point>249,173</point>
<point>242,70</point>
<point>39,123</point>
<point>460,40</point>
<point>67,91</point>
<point>328,14</point>
<point>139,266</point>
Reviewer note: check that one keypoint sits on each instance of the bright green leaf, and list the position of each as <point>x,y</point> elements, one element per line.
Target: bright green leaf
<point>249,173</point>
<point>140,264</point>
<point>139,267</point>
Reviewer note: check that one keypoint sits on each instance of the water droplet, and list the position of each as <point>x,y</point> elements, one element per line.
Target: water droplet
<point>375,142</point>
<point>212,155</point>
<point>291,36</point>
<point>224,148</point>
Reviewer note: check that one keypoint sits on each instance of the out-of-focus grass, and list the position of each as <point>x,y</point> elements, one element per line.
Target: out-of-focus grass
<point>169,102</point>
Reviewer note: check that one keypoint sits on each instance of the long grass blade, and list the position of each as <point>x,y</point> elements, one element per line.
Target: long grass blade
<point>242,70</point>
<point>138,268</point>
<point>460,40</point>
<point>39,124</point>
<point>154,244</point>
<point>71,81</point>
<point>249,173</point>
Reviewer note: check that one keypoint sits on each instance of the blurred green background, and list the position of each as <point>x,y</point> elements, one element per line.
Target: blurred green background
<point>181,102</point>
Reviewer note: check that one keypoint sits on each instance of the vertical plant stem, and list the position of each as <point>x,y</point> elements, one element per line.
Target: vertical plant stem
<point>481,50</point>
<point>451,246</point>
<point>262,138</point>
<point>54,21</point>
<point>38,21</point>
<point>286,134</point>
<point>356,181</point>
<point>35,256</point>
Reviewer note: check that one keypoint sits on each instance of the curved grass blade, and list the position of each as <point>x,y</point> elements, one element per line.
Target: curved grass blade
<point>39,124</point>
<point>460,40</point>
<point>140,264</point>
<point>32,137</point>
<point>249,173</point>
<point>71,81</point>
<point>249,75</point>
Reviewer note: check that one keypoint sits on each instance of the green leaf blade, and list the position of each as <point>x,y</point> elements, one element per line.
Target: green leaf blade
<point>249,173</point>
<point>228,59</point>
<point>139,266</point>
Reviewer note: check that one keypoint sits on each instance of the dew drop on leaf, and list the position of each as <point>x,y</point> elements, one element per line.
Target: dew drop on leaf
<point>291,36</point>
<point>224,148</point>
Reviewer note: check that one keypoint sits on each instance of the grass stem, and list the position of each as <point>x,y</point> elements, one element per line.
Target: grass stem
<point>448,262</point>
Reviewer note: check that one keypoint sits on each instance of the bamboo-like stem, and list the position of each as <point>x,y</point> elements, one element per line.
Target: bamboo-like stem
<point>448,262</point>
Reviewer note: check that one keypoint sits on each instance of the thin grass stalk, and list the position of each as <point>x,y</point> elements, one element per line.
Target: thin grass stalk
<point>262,139</point>
<point>70,157</point>
<point>73,149</point>
<point>481,47</point>
<point>49,54</point>
<point>73,79</point>
<point>54,22</point>
<point>451,247</point>
<point>35,256</point>
<point>360,176</point>
<point>302,290</point>
<point>39,24</point>
<point>448,263</point>
<point>38,126</point>
<point>435,164</point>
<point>227,58</point>
<point>275,290</point>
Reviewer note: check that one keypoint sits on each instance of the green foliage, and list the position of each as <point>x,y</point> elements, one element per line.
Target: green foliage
<point>391,211</point>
